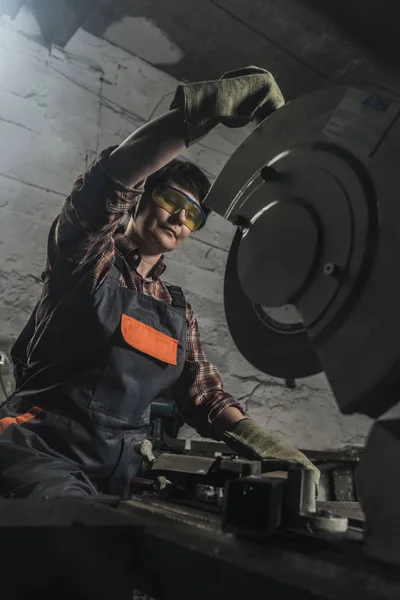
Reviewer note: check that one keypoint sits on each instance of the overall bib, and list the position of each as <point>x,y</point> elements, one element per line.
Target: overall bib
<point>72,426</point>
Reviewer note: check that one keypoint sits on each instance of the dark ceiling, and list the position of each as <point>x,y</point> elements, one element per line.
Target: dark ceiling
<point>305,43</point>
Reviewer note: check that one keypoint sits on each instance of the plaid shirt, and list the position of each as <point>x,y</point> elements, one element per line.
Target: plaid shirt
<point>81,248</point>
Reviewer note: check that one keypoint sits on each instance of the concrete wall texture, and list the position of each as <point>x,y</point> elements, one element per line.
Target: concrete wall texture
<point>57,110</point>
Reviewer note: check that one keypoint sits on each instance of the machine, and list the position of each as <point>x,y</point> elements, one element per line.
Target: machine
<point>313,191</point>
<point>313,195</point>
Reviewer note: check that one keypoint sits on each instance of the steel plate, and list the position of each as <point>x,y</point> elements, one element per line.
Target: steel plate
<point>285,352</point>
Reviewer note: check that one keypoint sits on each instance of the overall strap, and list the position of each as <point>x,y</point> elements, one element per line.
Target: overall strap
<point>177,295</point>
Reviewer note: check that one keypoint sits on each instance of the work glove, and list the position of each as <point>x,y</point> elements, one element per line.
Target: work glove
<point>249,440</point>
<point>238,98</point>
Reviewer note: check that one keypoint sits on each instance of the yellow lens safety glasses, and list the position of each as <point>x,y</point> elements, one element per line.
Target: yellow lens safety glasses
<point>174,201</point>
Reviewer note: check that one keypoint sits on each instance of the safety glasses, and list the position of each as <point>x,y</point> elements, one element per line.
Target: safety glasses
<point>174,201</point>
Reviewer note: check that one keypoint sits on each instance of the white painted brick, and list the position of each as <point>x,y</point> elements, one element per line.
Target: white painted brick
<point>218,232</point>
<point>137,86</point>
<point>194,279</point>
<point>115,126</point>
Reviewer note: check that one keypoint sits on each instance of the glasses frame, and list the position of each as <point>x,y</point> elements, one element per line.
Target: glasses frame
<point>171,187</point>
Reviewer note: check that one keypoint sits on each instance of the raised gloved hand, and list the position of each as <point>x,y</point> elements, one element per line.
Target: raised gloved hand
<point>249,440</point>
<point>238,98</point>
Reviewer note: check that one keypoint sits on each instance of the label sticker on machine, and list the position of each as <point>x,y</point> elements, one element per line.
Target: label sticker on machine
<point>361,120</point>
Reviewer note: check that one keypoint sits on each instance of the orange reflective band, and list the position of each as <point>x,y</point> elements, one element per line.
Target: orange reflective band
<point>149,340</point>
<point>7,421</point>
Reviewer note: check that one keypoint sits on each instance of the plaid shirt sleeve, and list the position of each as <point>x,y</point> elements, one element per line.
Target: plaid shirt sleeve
<point>199,393</point>
<point>81,238</point>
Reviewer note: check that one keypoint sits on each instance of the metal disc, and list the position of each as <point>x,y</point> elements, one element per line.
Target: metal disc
<point>277,253</point>
<point>285,351</point>
<point>337,149</point>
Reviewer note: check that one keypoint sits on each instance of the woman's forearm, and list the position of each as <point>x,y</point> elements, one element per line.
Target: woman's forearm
<point>226,419</point>
<point>148,149</point>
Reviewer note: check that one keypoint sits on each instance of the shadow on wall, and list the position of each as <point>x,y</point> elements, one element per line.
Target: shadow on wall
<point>10,8</point>
<point>372,22</point>
<point>306,42</point>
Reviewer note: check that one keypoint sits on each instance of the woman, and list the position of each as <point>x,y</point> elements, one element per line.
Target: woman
<point>108,336</point>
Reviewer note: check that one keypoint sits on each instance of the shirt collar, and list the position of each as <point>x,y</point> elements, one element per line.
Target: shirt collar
<point>133,256</point>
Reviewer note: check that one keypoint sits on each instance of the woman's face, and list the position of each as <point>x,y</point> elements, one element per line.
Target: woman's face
<point>160,231</point>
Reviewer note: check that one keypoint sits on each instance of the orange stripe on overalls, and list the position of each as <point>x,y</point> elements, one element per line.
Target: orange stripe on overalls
<point>7,421</point>
<point>149,340</point>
